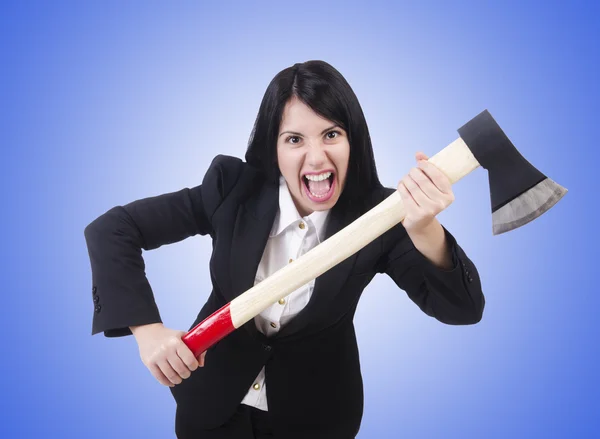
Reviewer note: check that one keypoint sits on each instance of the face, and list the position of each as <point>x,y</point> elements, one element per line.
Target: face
<point>313,155</point>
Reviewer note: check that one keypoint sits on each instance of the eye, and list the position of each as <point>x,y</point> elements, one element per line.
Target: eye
<point>333,132</point>
<point>293,137</point>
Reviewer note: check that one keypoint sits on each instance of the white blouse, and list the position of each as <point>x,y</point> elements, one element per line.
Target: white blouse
<point>291,236</point>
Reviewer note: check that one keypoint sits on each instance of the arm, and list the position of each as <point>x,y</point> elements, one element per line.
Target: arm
<point>122,294</point>
<point>432,243</point>
<point>454,295</point>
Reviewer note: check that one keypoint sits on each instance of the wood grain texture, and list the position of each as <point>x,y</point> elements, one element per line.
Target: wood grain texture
<point>455,161</point>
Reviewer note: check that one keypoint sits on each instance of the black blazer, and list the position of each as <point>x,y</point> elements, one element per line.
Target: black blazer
<point>313,372</point>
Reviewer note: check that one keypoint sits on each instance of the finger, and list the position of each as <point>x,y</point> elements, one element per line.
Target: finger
<point>441,181</point>
<point>169,372</point>
<point>187,357</point>
<point>201,361</point>
<point>159,375</point>
<point>435,197</point>
<point>420,198</point>
<point>178,365</point>
<point>409,202</point>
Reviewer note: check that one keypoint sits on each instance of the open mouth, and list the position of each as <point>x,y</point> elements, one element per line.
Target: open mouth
<point>319,187</point>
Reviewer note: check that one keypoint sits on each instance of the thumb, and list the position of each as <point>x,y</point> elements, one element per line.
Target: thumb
<point>201,359</point>
<point>180,334</point>
<point>421,156</point>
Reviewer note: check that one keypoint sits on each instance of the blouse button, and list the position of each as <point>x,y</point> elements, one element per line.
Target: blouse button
<point>273,325</point>
<point>302,226</point>
<point>282,301</point>
<point>256,386</point>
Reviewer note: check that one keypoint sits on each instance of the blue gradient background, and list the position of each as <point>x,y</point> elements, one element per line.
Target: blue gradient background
<point>107,102</point>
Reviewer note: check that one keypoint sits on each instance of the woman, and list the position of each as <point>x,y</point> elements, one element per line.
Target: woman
<point>293,371</point>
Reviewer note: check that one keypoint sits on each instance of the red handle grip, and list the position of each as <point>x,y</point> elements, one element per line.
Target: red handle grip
<point>209,331</point>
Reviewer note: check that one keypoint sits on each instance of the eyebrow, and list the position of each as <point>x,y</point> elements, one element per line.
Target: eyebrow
<point>300,134</point>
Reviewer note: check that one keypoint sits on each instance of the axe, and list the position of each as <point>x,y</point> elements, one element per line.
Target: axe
<point>519,194</point>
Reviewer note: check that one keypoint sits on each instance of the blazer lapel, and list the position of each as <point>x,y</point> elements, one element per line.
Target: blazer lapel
<point>250,234</point>
<point>328,285</point>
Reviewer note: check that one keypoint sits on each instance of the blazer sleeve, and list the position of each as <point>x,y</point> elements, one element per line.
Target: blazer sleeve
<point>121,293</point>
<point>451,296</point>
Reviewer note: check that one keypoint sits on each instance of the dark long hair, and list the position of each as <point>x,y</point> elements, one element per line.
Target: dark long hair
<point>322,88</point>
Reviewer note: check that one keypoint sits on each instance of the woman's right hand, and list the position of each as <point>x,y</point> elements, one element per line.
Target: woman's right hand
<point>164,353</point>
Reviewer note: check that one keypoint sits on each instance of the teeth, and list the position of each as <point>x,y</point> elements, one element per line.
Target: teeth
<point>319,177</point>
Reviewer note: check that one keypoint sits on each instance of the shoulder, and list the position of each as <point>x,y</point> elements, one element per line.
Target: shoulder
<point>224,168</point>
<point>397,232</point>
<point>353,208</point>
<point>386,192</point>
<point>229,177</point>
<point>226,172</point>
<point>376,196</point>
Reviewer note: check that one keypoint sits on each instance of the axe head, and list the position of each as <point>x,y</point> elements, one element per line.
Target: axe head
<point>519,192</point>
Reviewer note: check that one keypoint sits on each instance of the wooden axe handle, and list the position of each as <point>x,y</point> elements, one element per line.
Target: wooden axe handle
<point>455,161</point>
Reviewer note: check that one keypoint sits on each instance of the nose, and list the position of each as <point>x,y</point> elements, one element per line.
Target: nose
<point>316,156</point>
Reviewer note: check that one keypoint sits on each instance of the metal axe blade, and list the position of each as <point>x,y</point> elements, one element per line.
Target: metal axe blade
<point>527,206</point>
<point>519,192</point>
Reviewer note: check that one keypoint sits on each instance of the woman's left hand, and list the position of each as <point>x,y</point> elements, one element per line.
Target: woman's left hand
<point>425,191</point>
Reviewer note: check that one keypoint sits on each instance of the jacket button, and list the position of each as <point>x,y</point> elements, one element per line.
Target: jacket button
<point>94,290</point>
<point>96,299</point>
<point>97,308</point>
<point>470,279</point>
<point>266,347</point>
